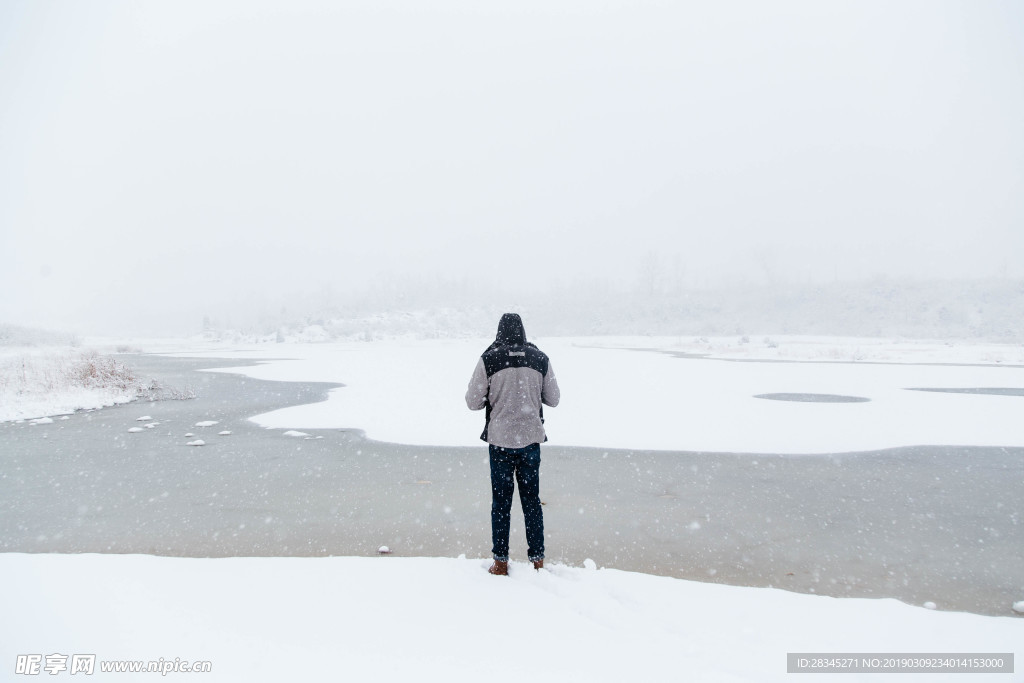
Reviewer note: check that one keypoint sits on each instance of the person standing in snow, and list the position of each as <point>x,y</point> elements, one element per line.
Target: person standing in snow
<point>512,379</point>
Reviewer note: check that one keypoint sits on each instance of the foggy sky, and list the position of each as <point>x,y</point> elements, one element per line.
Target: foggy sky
<point>159,156</point>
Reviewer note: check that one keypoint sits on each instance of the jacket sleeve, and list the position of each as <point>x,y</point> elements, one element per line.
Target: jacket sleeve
<point>476,394</point>
<point>550,394</point>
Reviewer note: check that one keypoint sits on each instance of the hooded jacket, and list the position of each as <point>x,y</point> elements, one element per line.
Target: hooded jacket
<point>514,380</point>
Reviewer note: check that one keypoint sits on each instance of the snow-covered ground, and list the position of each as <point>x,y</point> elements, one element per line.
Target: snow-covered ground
<point>44,381</point>
<point>437,619</point>
<point>411,392</point>
<point>270,619</point>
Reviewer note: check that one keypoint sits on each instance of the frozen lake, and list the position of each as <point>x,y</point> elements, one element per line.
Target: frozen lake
<point>410,392</point>
<point>917,522</point>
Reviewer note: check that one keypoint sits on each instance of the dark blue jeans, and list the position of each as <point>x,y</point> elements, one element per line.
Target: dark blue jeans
<point>522,466</point>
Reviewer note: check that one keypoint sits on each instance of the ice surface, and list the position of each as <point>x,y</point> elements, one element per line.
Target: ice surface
<point>412,392</point>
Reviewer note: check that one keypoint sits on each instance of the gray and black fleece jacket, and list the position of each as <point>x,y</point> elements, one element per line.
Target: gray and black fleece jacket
<point>512,379</point>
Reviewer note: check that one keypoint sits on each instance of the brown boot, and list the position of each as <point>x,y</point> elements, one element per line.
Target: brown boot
<point>499,568</point>
<point>538,564</point>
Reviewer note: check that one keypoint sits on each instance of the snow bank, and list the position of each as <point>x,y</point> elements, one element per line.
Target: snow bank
<point>387,618</point>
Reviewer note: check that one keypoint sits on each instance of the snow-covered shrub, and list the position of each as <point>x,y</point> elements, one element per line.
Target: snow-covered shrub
<point>92,370</point>
<point>34,383</point>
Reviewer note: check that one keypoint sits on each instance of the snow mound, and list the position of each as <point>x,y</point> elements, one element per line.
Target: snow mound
<point>206,423</point>
<point>197,442</point>
<point>41,421</point>
<point>143,418</point>
<point>135,430</point>
<point>292,432</point>
<point>224,433</point>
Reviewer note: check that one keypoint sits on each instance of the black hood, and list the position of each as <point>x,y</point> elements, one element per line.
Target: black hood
<point>510,330</point>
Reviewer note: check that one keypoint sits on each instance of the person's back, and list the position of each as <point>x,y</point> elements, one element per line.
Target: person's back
<point>514,380</point>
